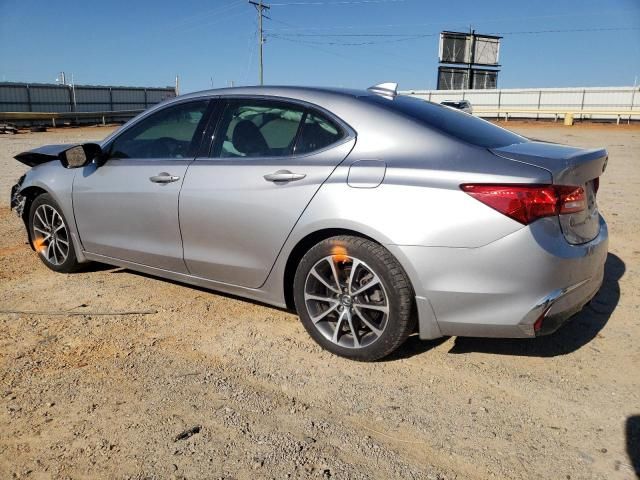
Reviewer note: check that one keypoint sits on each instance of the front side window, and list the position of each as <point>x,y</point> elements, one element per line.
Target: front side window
<point>259,129</point>
<point>169,133</point>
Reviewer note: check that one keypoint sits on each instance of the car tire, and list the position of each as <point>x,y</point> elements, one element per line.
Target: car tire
<point>50,235</point>
<point>371,313</point>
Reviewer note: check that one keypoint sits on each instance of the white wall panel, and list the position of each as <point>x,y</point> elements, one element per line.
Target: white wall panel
<point>569,99</point>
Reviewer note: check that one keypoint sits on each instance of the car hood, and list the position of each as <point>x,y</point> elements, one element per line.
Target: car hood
<point>43,154</point>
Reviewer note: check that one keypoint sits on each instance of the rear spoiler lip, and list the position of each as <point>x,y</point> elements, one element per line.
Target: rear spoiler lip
<point>567,165</point>
<point>44,154</point>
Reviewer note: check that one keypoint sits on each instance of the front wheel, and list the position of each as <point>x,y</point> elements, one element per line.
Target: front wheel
<point>50,235</point>
<point>354,298</point>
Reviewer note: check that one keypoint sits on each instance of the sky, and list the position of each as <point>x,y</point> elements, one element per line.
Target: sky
<point>348,43</point>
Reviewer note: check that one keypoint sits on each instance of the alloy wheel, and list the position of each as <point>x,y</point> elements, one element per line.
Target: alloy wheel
<point>50,235</point>
<point>346,301</point>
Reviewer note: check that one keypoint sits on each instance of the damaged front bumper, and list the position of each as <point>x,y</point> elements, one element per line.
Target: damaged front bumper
<point>18,201</point>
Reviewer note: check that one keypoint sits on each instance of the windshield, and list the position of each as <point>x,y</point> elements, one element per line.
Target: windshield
<point>457,124</point>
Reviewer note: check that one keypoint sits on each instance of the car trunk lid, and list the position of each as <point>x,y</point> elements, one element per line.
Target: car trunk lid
<point>568,166</point>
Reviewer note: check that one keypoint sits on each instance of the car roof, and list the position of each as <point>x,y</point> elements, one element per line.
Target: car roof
<point>310,94</point>
<point>320,96</point>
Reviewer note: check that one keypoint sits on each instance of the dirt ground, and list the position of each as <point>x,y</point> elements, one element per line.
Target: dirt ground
<point>105,396</point>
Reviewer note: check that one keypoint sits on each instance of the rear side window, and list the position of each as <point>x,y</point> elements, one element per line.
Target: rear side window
<point>317,133</point>
<point>259,129</point>
<point>466,127</point>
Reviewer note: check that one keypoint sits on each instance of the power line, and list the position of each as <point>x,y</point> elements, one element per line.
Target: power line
<point>603,29</point>
<point>317,40</point>
<point>283,23</point>
<point>575,30</point>
<point>408,36</point>
<point>352,44</point>
<point>377,64</point>
<point>193,22</point>
<point>250,41</point>
<point>349,34</point>
<point>338,2</point>
<point>200,16</point>
<point>458,21</point>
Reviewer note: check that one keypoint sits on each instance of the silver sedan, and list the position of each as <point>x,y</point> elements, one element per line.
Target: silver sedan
<point>371,214</point>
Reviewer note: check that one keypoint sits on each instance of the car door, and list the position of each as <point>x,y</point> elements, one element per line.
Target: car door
<point>239,204</point>
<point>127,207</point>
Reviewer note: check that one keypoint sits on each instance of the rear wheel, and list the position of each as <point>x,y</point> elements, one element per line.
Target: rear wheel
<point>50,235</point>
<point>354,298</point>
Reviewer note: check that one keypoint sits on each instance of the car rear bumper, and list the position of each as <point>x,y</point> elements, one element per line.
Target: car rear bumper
<point>503,288</point>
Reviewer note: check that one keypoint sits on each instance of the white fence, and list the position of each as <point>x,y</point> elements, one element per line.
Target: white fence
<point>589,103</point>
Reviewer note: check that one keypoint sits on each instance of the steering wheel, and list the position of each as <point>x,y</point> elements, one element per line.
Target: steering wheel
<point>164,147</point>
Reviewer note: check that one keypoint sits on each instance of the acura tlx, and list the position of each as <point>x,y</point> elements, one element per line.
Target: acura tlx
<point>371,214</point>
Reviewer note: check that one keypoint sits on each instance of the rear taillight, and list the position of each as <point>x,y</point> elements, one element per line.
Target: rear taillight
<point>571,199</point>
<point>526,203</point>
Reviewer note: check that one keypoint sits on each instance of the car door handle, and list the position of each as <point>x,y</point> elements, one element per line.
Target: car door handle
<point>164,177</point>
<point>284,176</point>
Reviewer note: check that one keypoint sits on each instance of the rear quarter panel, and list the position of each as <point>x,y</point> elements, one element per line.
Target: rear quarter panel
<point>419,201</point>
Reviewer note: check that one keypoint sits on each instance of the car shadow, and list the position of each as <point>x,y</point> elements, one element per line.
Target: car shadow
<point>413,346</point>
<point>632,434</point>
<point>574,334</point>
<point>577,332</point>
<point>95,267</point>
<point>200,289</point>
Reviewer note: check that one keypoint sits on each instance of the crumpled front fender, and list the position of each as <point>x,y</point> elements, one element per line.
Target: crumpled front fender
<point>18,200</point>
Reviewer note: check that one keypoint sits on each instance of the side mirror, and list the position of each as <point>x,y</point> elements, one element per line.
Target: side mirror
<point>79,155</point>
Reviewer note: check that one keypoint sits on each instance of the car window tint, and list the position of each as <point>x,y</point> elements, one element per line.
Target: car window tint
<point>452,122</point>
<point>317,133</point>
<point>259,129</point>
<point>166,134</point>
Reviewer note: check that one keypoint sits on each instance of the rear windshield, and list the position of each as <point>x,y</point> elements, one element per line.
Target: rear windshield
<point>452,122</point>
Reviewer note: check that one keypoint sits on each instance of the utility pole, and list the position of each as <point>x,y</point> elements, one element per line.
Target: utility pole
<point>472,58</point>
<point>260,7</point>
<point>73,94</point>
